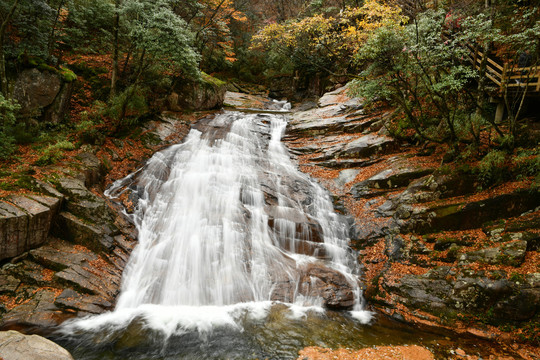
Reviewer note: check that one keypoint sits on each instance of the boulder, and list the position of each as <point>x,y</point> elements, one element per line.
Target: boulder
<point>42,94</point>
<point>329,284</point>
<point>510,254</point>
<point>25,223</point>
<point>366,146</point>
<point>16,346</point>
<point>98,237</point>
<point>461,216</point>
<point>93,168</point>
<point>207,94</point>
<point>399,174</point>
<point>478,293</point>
<point>35,90</point>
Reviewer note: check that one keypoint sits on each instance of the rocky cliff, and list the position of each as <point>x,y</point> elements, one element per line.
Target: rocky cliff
<point>64,246</point>
<point>436,250</point>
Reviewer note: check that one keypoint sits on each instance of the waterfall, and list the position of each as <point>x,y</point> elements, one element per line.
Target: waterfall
<point>226,221</point>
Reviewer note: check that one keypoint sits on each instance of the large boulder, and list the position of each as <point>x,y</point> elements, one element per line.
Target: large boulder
<point>437,292</point>
<point>16,346</point>
<point>43,94</point>
<point>207,94</point>
<point>25,223</point>
<point>334,288</point>
<point>469,215</point>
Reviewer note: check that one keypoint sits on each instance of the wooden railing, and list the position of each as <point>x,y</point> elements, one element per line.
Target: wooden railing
<point>508,76</point>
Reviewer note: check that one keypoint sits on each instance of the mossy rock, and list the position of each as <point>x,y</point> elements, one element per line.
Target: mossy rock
<point>210,80</point>
<point>67,74</point>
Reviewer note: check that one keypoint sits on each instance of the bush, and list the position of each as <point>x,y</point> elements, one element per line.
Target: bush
<point>492,169</point>
<point>8,109</point>
<point>55,152</point>
<point>527,164</point>
<point>128,106</point>
<point>89,133</point>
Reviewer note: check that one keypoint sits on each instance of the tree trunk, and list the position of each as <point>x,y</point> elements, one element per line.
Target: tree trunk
<point>116,50</point>
<point>131,92</point>
<point>3,74</point>
<point>50,45</point>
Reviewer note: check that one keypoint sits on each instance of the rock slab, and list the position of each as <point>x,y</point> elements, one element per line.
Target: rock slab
<point>16,346</point>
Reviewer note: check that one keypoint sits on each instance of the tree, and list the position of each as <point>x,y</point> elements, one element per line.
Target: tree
<point>8,109</point>
<point>5,18</point>
<point>424,69</point>
<point>327,43</point>
<point>160,38</point>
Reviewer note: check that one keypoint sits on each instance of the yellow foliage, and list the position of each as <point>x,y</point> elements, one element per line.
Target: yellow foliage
<point>334,36</point>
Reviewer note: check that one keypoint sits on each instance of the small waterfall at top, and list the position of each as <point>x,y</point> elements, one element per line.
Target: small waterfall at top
<point>226,221</point>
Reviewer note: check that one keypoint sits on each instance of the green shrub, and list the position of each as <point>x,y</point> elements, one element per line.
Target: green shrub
<point>8,109</point>
<point>89,133</point>
<point>55,152</point>
<point>132,101</point>
<point>67,74</point>
<point>527,164</point>
<point>492,169</point>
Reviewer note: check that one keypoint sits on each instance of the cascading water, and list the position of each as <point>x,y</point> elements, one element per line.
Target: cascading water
<point>229,227</point>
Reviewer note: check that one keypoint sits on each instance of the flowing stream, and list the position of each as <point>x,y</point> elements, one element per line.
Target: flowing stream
<point>240,255</point>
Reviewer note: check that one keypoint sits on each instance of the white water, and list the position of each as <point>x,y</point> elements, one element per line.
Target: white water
<point>207,254</point>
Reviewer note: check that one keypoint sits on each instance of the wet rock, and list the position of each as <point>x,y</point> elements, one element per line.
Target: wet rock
<point>329,284</point>
<point>85,281</point>
<point>510,254</point>
<point>16,346</point>
<point>37,312</point>
<point>59,256</point>
<point>29,272</point>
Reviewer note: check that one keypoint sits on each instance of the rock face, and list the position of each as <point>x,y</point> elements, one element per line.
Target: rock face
<point>500,300</point>
<point>77,272</point>
<point>63,251</point>
<point>16,346</point>
<point>205,95</point>
<point>434,247</point>
<point>42,94</point>
<point>25,223</point>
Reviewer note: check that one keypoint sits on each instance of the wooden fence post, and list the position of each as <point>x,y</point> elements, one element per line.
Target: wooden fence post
<point>503,77</point>
<point>537,78</point>
<point>499,113</point>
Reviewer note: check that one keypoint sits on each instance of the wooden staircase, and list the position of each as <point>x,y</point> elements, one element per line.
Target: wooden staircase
<point>508,77</point>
